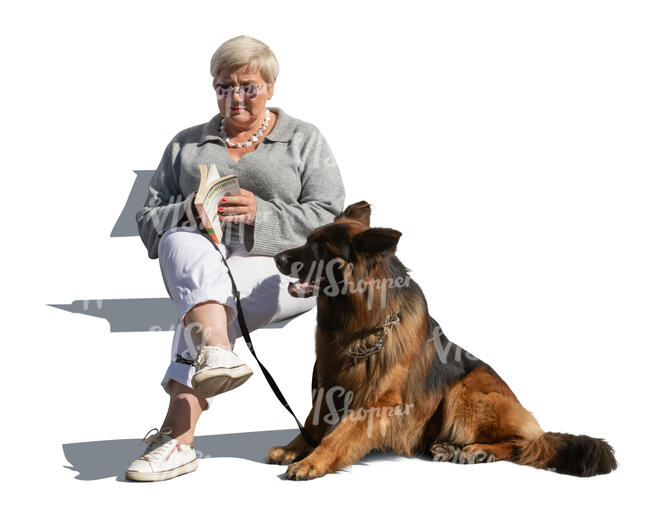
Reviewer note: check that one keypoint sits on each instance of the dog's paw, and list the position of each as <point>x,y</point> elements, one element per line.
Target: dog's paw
<point>304,470</point>
<point>281,455</point>
<point>445,452</point>
<point>474,454</point>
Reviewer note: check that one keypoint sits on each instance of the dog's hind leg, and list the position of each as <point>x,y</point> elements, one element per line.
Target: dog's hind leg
<point>484,421</point>
<point>472,454</point>
<point>478,453</point>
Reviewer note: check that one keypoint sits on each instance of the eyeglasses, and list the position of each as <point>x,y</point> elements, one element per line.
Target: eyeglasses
<point>247,91</point>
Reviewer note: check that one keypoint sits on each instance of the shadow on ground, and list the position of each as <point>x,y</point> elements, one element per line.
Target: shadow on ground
<point>128,314</point>
<point>143,314</point>
<point>94,460</point>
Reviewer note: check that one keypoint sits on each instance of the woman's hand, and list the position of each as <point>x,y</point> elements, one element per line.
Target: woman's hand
<point>240,208</point>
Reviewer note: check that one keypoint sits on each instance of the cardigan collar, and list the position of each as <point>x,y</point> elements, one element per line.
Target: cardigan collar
<point>281,132</point>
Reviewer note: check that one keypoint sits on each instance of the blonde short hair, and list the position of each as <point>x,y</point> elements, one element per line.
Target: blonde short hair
<point>244,50</point>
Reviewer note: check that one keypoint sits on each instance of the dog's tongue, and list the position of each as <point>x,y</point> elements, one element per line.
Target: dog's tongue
<point>298,289</point>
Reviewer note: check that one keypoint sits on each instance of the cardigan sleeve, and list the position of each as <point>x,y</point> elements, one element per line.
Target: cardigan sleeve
<point>164,207</point>
<point>281,225</point>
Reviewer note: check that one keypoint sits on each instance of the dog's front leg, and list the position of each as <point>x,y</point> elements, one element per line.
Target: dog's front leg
<point>295,450</point>
<point>298,448</point>
<point>355,435</point>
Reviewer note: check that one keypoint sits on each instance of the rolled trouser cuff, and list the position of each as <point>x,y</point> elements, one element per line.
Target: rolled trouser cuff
<point>222,296</point>
<point>182,373</point>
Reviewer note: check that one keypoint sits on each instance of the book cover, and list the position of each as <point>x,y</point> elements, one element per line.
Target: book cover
<point>211,190</point>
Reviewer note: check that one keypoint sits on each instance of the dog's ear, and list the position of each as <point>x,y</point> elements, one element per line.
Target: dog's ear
<point>347,251</point>
<point>376,241</point>
<point>359,211</point>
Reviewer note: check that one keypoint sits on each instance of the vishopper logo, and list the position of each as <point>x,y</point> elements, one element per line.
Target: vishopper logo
<point>333,415</point>
<point>175,213</point>
<point>187,333</point>
<point>233,233</point>
<point>195,331</point>
<point>455,454</point>
<point>321,272</point>
<point>443,351</point>
<point>317,148</point>
<point>162,219</point>
<point>86,304</point>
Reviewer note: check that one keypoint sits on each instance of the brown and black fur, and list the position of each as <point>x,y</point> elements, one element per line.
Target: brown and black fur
<point>461,409</point>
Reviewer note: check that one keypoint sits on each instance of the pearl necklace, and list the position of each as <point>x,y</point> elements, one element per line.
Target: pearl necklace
<point>254,138</point>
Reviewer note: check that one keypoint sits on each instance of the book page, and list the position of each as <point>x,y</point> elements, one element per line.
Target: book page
<point>213,173</point>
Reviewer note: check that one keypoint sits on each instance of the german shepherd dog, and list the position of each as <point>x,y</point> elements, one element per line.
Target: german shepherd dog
<point>392,380</point>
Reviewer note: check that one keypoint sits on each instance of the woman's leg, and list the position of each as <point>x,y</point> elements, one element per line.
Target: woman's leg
<point>185,407</point>
<point>207,323</point>
<point>196,278</point>
<point>196,281</point>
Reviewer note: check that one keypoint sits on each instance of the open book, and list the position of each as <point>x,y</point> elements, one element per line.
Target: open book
<point>211,189</point>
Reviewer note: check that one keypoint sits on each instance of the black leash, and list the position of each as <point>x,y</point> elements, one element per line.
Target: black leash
<point>244,330</point>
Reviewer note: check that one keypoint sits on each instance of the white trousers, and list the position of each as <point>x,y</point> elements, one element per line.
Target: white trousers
<point>194,272</point>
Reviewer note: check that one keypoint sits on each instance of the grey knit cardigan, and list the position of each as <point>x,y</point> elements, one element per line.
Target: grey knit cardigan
<point>292,172</point>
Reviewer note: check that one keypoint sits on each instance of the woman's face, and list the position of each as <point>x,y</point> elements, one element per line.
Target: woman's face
<point>242,96</point>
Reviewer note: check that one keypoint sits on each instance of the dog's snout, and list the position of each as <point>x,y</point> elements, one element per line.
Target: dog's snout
<point>281,260</point>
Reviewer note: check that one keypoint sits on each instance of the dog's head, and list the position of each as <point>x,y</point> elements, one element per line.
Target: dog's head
<point>331,250</point>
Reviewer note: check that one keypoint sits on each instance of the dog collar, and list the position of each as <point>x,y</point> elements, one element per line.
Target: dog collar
<point>360,353</point>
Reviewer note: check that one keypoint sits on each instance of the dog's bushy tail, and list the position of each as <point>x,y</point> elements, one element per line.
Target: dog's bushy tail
<point>578,455</point>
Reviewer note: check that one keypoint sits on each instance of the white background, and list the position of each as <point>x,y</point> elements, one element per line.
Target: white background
<point>508,141</point>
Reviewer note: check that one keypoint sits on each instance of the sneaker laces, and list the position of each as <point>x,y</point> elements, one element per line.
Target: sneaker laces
<point>201,356</point>
<point>154,441</point>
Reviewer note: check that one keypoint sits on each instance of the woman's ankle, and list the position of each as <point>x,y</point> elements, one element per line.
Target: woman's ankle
<point>223,345</point>
<point>185,438</point>
<point>180,432</point>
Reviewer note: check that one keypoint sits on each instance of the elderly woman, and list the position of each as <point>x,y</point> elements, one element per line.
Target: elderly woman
<point>290,185</point>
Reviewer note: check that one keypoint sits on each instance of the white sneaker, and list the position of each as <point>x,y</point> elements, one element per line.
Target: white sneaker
<point>163,459</point>
<point>218,370</point>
